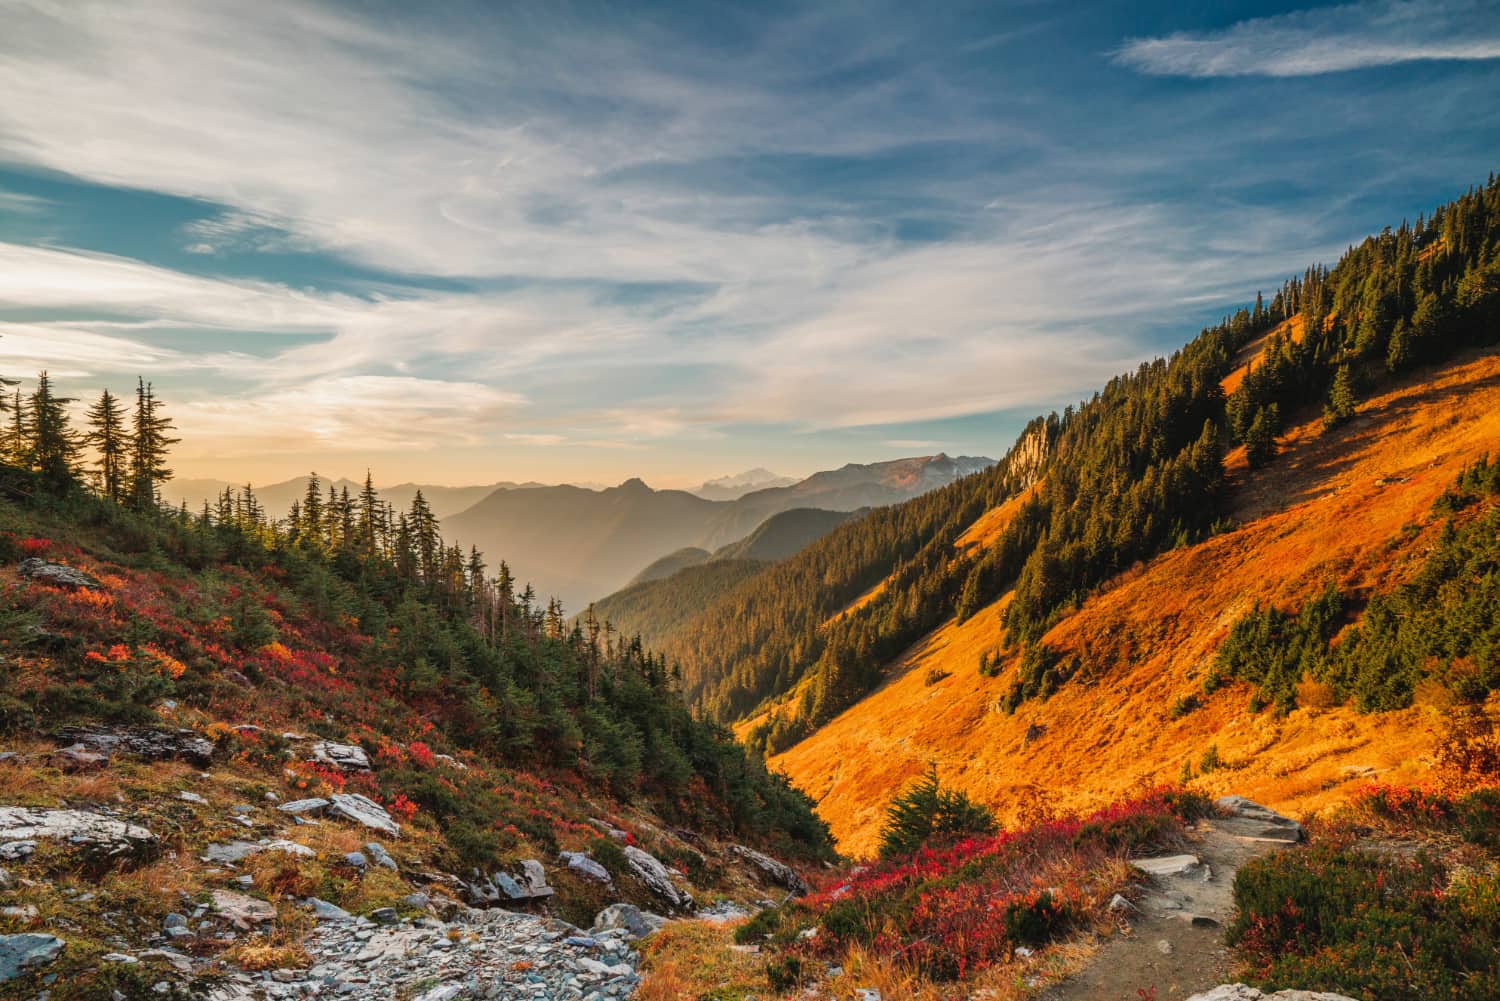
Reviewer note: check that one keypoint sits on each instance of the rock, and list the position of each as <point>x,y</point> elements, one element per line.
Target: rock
<point>238,851</point>
<point>656,877</point>
<point>347,757</point>
<point>385,916</point>
<point>192,797</point>
<point>721,912</point>
<point>1119,904</point>
<point>1253,822</point>
<point>241,911</point>
<point>182,964</point>
<point>778,872</point>
<point>1169,865</point>
<point>98,835</point>
<point>867,994</point>
<point>363,810</point>
<point>356,859</point>
<point>419,901</point>
<point>1241,992</point>
<point>78,758</point>
<point>151,743</point>
<point>1164,947</point>
<point>377,853</point>
<point>610,829</point>
<point>451,762</point>
<point>7,881</point>
<point>585,866</point>
<point>534,879</point>
<point>636,922</point>
<point>21,952</point>
<point>324,911</point>
<point>1203,921</point>
<point>57,575</point>
<point>297,807</point>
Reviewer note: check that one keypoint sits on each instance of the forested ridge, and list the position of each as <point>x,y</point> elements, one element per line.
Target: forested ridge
<point>1133,470</point>
<point>345,608</point>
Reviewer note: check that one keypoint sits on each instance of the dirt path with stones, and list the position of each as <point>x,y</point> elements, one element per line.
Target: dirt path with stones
<point>1174,945</point>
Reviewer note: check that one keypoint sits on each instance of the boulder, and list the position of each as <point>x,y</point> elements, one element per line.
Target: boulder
<point>346,757</point>
<point>78,758</point>
<point>1250,821</point>
<point>1169,865</point>
<point>534,879</point>
<point>152,743</point>
<point>98,835</point>
<point>584,864</point>
<point>777,872</point>
<point>21,952</point>
<point>363,810</point>
<point>57,575</point>
<point>241,911</point>
<point>297,807</point>
<point>658,880</point>
<point>324,911</point>
<point>1241,992</point>
<point>377,853</point>
<point>636,922</point>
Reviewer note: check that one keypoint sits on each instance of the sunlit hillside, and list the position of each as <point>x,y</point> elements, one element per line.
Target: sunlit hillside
<point>1352,505</point>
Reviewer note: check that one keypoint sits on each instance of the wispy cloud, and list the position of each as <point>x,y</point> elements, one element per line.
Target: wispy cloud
<point>1325,40</point>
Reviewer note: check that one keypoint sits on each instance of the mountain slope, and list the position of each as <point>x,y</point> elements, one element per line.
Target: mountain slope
<point>583,544</point>
<point>653,609</point>
<point>781,535</point>
<point>1352,505</point>
<point>728,488</point>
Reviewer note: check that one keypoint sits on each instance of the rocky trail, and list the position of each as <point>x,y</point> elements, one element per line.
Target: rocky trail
<point>1173,943</point>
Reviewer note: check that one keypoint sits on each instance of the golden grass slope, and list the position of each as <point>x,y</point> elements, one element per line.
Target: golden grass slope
<point>1340,505</point>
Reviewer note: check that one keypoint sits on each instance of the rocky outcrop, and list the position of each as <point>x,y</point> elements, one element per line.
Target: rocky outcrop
<point>777,872</point>
<point>1249,820</point>
<point>1240,992</point>
<point>500,888</point>
<point>238,851</point>
<point>19,953</point>
<point>345,757</point>
<point>298,807</point>
<point>649,870</point>
<point>98,835</point>
<point>1169,865</point>
<point>57,575</point>
<point>146,742</point>
<point>363,810</point>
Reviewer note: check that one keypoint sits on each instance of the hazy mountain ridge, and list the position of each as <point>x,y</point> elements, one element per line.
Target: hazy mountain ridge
<point>736,486</point>
<point>581,545</point>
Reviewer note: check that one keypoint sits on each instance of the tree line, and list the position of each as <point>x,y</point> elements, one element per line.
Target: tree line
<point>505,673</point>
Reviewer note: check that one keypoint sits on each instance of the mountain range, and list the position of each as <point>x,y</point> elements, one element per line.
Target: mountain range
<point>580,545</point>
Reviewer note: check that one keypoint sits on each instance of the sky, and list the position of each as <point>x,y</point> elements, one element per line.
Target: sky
<point>469,242</point>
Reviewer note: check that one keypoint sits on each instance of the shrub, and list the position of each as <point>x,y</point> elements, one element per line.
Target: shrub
<point>1184,705</point>
<point>927,811</point>
<point>1210,761</point>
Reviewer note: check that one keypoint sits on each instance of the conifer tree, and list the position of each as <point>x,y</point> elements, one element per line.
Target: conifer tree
<point>17,439</point>
<point>149,445</point>
<point>107,437</point>
<point>54,443</point>
<point>312,512</point>
<point>1341,400</point>
<point>1260,439</point>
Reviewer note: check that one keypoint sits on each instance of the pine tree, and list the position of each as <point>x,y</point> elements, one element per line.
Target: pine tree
<point>312,512</point>
<point>1260,439</point>
<point>369,517</point>
<point>107,437</point>
<point>54,443</point>
<point>150,444</point>
<point>1341,400</point>
<point>17,438</point>
<point>925,811</point>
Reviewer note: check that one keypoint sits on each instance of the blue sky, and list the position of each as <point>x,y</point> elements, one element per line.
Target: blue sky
<point>570,241</point>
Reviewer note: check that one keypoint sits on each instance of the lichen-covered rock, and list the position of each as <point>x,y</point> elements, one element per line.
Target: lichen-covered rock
<point>297,807</point>
<point>97,834</point>
<point>363,810</point>
<point>658,880</point>
<point>346,757</point>
<point>585,865</point>
<point>57,575</point>
<point>241,911</point>
<point>1242,992</point>
<point>636,922</point>
<point>777,872</point>
<point>21,952</point>
<point>152,743</point>
<point>501,888</point>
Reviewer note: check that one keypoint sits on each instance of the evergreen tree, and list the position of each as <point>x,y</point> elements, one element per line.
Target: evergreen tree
<point>150,443</point>
<point>926,811</point>
<point>54,445</point>
<point>1260,439</point>
<point>17,438</point>
<point>107,437</point>
<point>1341,401</point>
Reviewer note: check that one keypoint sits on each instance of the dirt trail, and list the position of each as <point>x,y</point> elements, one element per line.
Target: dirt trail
<point>1174,946</point>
